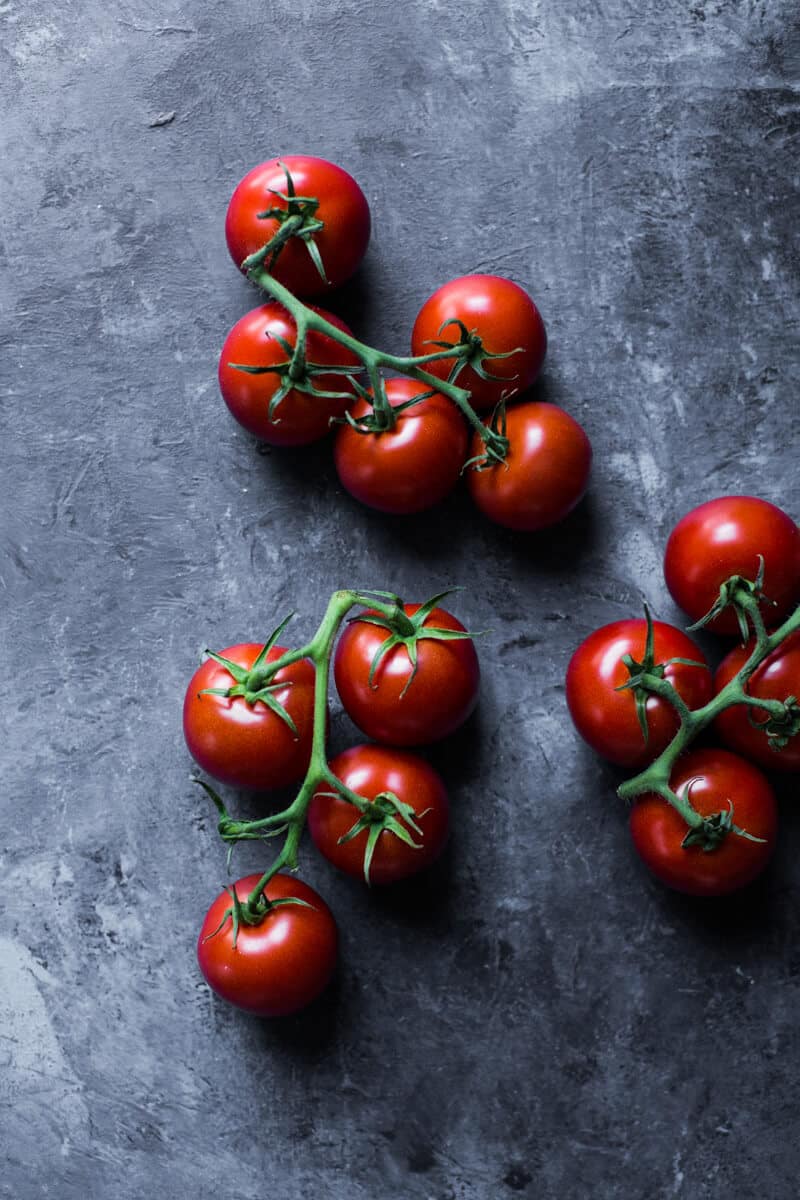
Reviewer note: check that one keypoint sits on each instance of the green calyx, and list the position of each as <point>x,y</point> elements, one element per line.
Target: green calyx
<point>251,911</point>
<point>743,596</point>
<point>495,443</point>
<point>644,675</point>
<point>713,830</point>
<point>408,631</point>
<point>387,813</point>
<point>780,727</point>
<point>469,351</point>
<point>253,683</point>
<point>297,220</point>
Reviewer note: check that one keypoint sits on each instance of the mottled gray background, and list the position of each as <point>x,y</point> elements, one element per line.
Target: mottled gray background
<point>536,1018</point>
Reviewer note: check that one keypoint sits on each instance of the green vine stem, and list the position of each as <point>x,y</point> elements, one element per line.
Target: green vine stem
<point>742,595</point>
<point>291,821</point>
<point>375,361</point>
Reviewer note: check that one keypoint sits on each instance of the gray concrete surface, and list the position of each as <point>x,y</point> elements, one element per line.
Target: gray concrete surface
<point>536,1018</point>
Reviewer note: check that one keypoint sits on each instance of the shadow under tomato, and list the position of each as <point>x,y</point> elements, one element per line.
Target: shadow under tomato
<point>310,1032</point>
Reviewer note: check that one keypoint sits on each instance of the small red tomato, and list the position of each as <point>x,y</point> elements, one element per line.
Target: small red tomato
<point>248,745</point>
<point>299,418</point>
<point>712,780</point>
<point>342,209</point>
<point>371,771</point>
<point>546,471</point>
<point>778,678</point>
<point>402,707</point>
<point>408,468</point>
<point>725,537</point>
<point>277,966</point>
<point>607,718</point>
<point>503,316</point>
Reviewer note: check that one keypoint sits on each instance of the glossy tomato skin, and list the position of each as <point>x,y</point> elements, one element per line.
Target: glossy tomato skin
<point>409,468</point>
<point>343,209</point>
<point>438,700</point>
<point>276,967</point>
<point>370,770</point>
<point>503,315</point>
<point>724,537</point>
<point>777,678</point>
<point>607,718</point>
<point>299,418</point>
<point>716,777</point>
<point>546,473</point>
<point>250,746</point>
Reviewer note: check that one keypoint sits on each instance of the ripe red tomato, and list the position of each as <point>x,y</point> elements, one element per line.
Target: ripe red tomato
<point>716,778</point>
<point>244,745</point>
<point>411,467</point>
<point>546,472</point>
<point>606,718</point>
<point>343,210</point>
<point>278,966</point>
<point>503,316</point>
<point>299,418</point>
<point>725,537</point>
<point>399,710</point>
<point>370,771</point>
<point>777,678</point>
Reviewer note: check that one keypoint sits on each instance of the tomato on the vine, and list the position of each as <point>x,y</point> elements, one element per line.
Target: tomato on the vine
<point>713,781</point>
<point>408,468</point>
<point>277,966</point>
<point>342,209</point>
<point>725,537</point>
<point>371,771</point>
<point>546,471</point>
<point>299,417</point>
<point>250,745</point>
<point>777,678</point>
<point>503,316</point>
<point>402,705</point>
<point>605,716</point>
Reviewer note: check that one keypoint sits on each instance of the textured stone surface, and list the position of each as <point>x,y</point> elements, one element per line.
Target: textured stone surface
<point>537,1018</point>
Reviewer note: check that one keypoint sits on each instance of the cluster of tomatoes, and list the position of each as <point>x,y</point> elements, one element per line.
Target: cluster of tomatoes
<point>732,538</point>
<point>317,219</point>
<point>406,688</point>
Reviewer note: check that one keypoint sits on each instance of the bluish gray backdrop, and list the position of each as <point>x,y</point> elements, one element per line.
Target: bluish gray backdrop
<point>536,1017</point>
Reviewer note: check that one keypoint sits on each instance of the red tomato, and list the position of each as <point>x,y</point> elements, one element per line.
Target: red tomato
<point>503,316</point>
<point>715,777</point>
<point>725,537</point>
<point>370,771</point>
<point>343,210</point>
<point>607,718</point>
<point>777,678</point>
<point>399,710</point>
<point>299,418</point>
<point>278,966</point>
<point>411,467</point>
<point>546,471</point>
<point>244,745</point>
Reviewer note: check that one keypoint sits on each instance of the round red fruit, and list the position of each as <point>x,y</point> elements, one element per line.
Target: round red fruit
<point>607,717</point>
<point>277,966</point>
<point>725,537</point>
<point>342,208</point>
<point>401,706</point>
<point>248,745</point>
<point>298,418</point>
<point>715,782</point>
<point>546,471</point>
<point>410,467</point>
<point>777,678</point>
<point>371,772</point>
<point>505,319</point>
